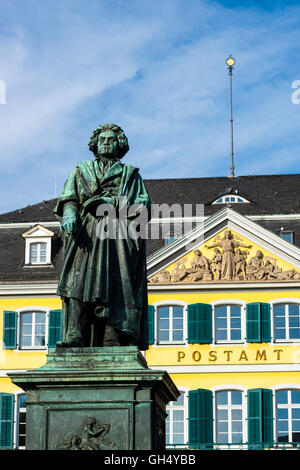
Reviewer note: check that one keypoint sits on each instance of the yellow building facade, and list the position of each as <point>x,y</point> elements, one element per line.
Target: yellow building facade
<point>246,373</point>
<point>224,322</point>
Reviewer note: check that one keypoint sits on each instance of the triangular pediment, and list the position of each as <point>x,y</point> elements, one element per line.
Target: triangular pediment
<point>37,230</point>
<point>226,247</point>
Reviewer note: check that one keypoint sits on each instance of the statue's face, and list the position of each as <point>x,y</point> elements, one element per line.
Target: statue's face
<point>108,144</point>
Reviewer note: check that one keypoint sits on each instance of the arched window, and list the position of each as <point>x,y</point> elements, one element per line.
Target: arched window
<point>230,419</point>
<point>288,415</point>
<point>20,429</point>
<point>228,323</point>
<point>176,422</point>
<point>286,321</point>
<point>230,199</point>
<point>32,333</point>
<point>170,324</point>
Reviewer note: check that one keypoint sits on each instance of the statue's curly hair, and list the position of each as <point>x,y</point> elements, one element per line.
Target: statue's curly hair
<point>122,139</point>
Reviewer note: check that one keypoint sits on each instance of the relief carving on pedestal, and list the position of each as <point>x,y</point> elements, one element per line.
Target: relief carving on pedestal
<point>230,264</point>
<point>90,437</point>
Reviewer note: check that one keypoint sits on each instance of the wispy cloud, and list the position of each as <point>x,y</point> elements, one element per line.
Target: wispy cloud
<point>157,69</point>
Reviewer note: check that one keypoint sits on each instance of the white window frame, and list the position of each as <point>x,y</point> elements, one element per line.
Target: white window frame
<point>235,197</point>
<point>289,406</point>
<point>283,300</point>
<point>231,388</point>
<point>228,302</point>
<point>38,243</point>
<point>32,309</point>
<point>17,394</point>
<point>185,408</point>
<point>170,303</point>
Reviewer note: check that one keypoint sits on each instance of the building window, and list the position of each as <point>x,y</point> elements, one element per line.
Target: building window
<point>170,239</point>
<point>170,323</point>
<point>228,323</point>
<point>21,422</point>
<point>286,322</point>
<point>288,415</point>
<point>229,417</point>
<point>32,330</point>
<point>288,236</point>
<point>176,422</point>
<point>230,199</point>
<point>38,245</point>
<point>38,252</point>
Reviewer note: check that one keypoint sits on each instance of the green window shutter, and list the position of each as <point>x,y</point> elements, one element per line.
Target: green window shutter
<point>258,322</point>
<point>55,327</point>
<point>6,420</point>
<point>199,323</point>
<point>254,417</point>
<point>260,417</point>
<point>200,419</point>
<point>267,404</point>
<point>151,313</point>
<point>265,322</point>
<point>10,329</point>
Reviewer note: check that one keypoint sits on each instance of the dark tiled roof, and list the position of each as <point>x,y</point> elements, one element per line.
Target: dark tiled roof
<point>268,194</point>
<point>12,257</point>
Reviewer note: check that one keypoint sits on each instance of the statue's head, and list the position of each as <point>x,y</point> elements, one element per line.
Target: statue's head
<point>227,234</point>
<point>109,141</point>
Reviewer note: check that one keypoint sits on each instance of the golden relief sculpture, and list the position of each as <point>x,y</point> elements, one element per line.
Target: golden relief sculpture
<point>229,264</point>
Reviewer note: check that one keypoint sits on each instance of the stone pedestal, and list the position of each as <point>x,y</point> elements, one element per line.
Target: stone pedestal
<point>96,399</point>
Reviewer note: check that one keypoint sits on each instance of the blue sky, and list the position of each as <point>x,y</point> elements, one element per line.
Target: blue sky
<point>157,68</point>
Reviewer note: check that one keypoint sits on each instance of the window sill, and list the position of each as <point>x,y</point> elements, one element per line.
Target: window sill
<point>38,265</point>
<point>286,341</point>
<point>221,343</point>
<point>44,349</point>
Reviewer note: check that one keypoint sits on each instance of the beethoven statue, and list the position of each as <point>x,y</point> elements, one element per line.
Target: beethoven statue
<point>103,282</point>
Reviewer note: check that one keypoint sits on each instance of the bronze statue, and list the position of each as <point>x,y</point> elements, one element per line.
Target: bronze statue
<point>103,281</point>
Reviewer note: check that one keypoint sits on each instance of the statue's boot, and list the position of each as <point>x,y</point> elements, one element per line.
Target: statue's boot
<point>71,342</point>
<point>111,336</point>
<point>76,323</point>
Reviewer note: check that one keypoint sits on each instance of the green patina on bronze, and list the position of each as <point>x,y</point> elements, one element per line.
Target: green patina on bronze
<point>104,278</point>
<point>87,397</point>
<point>95,399</point>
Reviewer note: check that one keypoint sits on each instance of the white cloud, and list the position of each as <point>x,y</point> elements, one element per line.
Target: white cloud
<point>157,69</point>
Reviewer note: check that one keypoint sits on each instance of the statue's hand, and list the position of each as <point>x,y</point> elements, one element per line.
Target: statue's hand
<point>69,225</point>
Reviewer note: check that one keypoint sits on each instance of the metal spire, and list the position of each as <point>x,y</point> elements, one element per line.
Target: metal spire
<point>230,63</point>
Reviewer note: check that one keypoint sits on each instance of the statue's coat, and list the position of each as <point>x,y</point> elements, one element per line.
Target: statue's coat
<point>108,273</point>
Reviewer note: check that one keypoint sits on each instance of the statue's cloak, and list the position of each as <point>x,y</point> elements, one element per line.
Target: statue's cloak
<point>109,274</point>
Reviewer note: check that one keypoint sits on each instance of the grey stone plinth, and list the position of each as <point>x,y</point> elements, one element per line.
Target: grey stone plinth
<point>96,398</point>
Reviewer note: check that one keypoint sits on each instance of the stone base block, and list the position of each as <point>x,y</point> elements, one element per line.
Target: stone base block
<point>96,399</point>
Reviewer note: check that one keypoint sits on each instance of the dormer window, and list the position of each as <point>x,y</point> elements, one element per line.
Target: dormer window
<point>230,199</point>
<point>37,246</point>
